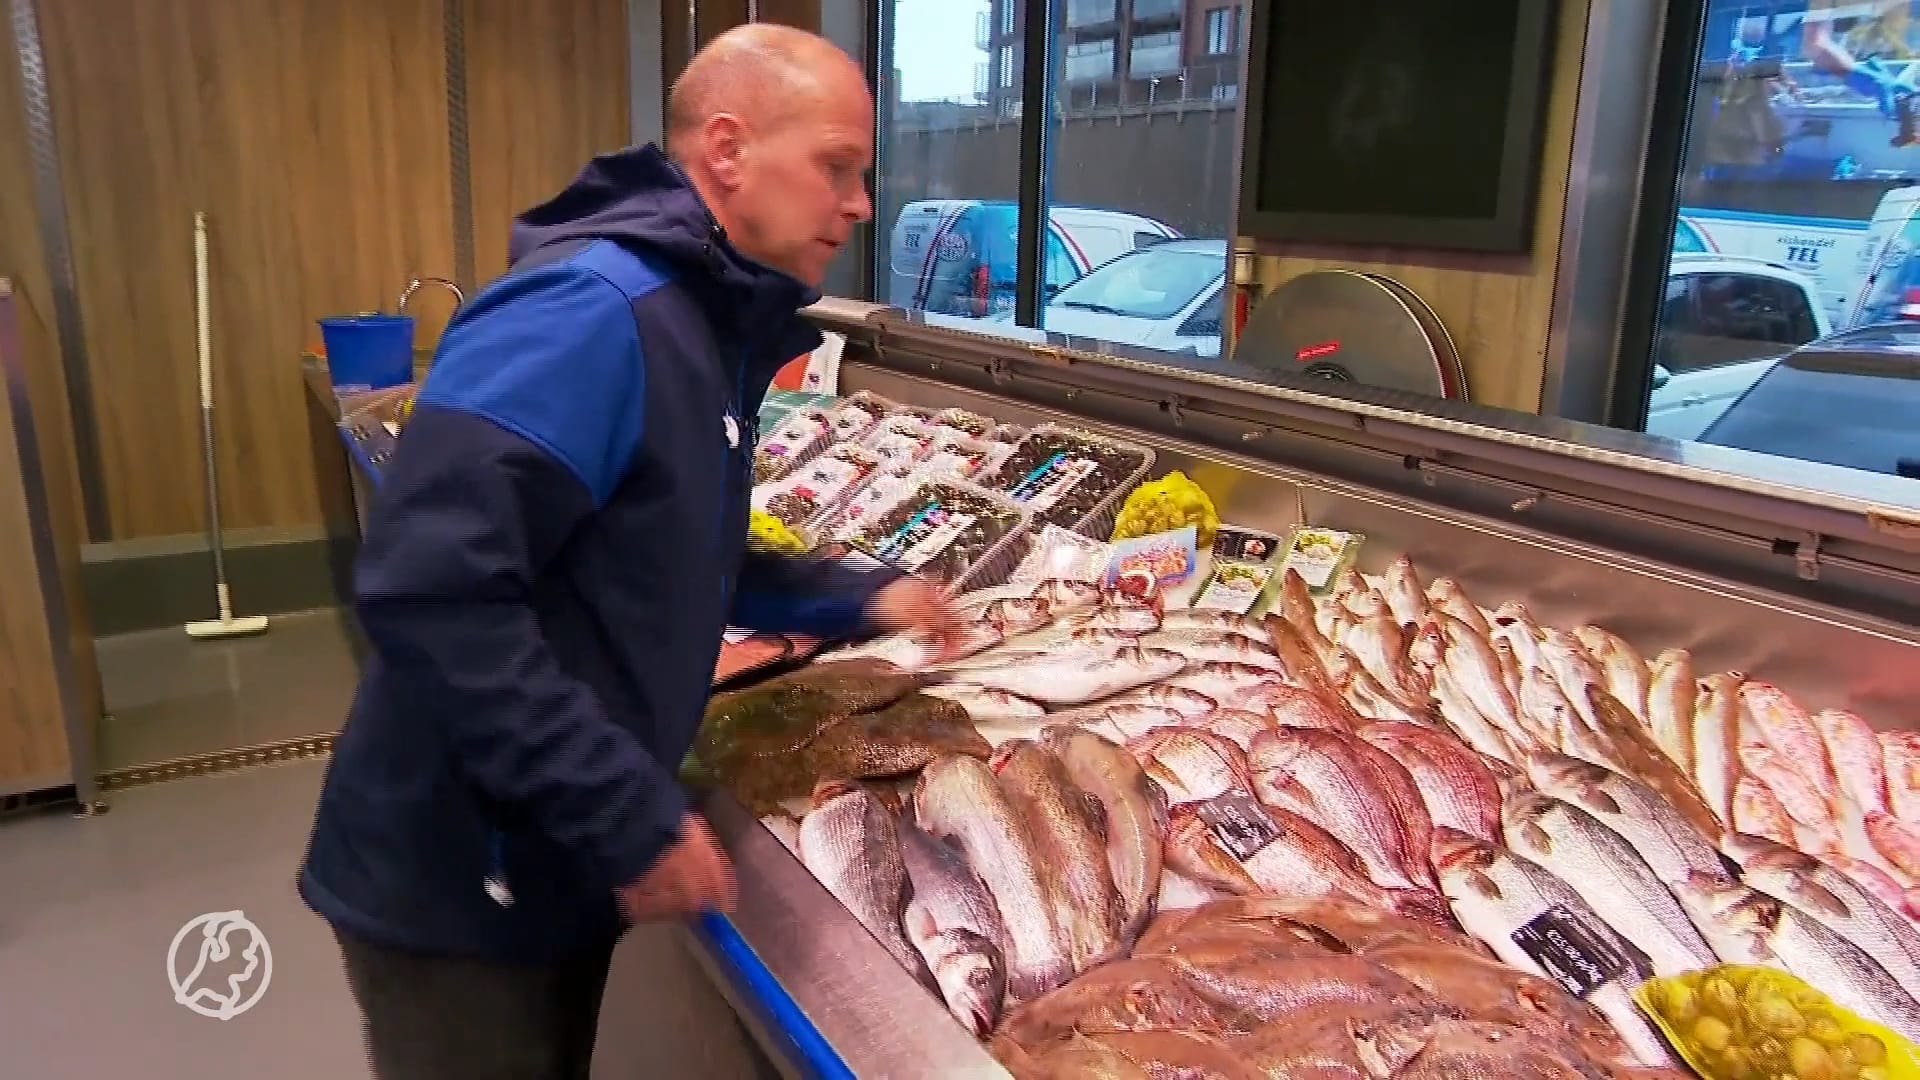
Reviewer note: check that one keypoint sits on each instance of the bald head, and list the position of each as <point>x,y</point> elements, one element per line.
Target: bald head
<point>774,128</point>
<point>763,73</point>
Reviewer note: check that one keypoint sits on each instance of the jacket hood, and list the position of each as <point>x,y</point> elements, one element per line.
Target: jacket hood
<point>640,199</point>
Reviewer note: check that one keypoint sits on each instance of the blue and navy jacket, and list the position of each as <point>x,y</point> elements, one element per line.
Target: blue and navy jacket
<point>547,570</point>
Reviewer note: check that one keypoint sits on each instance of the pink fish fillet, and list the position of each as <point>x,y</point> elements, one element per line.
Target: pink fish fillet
<point>1897,841</point>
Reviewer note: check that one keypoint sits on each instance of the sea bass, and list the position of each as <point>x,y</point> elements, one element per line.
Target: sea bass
<point>988,703</point>
<point>1634,746</point>
<point>1356,792</point>
<point>849,842</point>
<point>958,800</point>
<point>1496,893</point>
<point>1670,844</point>
<point>1609,875</point>
<point>1840,904</point>
<point>1134,818</point>
<point>1298,860</point>
<point>1069,830</point>
<point>1071,680</point>
<point>1746,926</point>
<point>1452,779</point>
<point>955,925</point>
<point>1180,699</point>
<point>1226,683</point>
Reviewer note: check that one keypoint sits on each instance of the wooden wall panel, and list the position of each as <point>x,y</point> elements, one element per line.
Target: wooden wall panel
<point>1497,307</point>
<point>313,132</point>
<point>546,90</point>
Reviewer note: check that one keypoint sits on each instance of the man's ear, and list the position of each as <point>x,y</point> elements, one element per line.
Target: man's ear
<point>725,148</point>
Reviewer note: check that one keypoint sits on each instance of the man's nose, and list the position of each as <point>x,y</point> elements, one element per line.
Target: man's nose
<point>860,207</point>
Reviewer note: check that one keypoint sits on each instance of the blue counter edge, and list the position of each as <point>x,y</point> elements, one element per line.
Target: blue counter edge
<point>763,991</point>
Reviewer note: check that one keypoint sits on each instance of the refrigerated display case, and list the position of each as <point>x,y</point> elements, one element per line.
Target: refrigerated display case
<point>1807,577</point>
<point>1803,576</point>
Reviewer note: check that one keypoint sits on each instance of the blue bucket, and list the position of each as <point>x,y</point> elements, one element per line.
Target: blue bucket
<point>368,352</point>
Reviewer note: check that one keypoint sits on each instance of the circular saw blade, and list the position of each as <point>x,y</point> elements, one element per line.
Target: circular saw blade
<point>1350,326</point>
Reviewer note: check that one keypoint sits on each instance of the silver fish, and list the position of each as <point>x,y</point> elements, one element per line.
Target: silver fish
<point>1715,731</point>
<point>1671,846</point>
<point>1134,818</point>
<point>911,653</point>
<point>1205,619</point>
<point>1746,926</point>
<point>1191,764</point>
<point>1225,683</point>
<point>1609,875</point>
<point>1228,649</point>
<point>1069,826</point>
<point>1672,696</point>
<point>954,924</point>
<point>1186,702</point>
<point>986,702</point>
<point>1495,893</point>
<point>1138,619</point>
<point>1627,676</point>
<point>850,843</point>
<point>1837,902</point>
<point>1405,598</point>
<point>1476,671</point>
<point>958,800</point>
<point>1131,721</point>
<point>1071,680</point>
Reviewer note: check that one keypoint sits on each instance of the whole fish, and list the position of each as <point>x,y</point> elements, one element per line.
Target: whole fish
<point>1578,675</point>
<point>1716,740</point>
<point>1476,671</point>
<point>1226,649</point>
<point>1510,669</point>
<point>1306,666</point>
<point>1358,793</point>
<point>1225,683</point>
<point>1405,597</point>
<point>1609,875</point>
<point>1133,721</point>
<point>1107,638</point>
<point>1238,725</point>
<point>1746,926</point>
<point>1206,619</point>
<point>1496,894</point>
<point>1900,754</point>
<point>911,653</point>
<point>954,924</point>
<point>1067,680</point>
<point>1635,748</point>
<point>1191,764</point>
<point>1467,722</point>
<point>1842,906</point>
<point>1366,695</point>
<point>1879,884</point>
<point>1080,650</point>
<point>1365,603</point>
<point>1291,989</point>
<point>1490,990</point>
<point>1147,994</point>
<point>1134,818</point>
<point>958,800</point>
<point>1207,939</point>
<point>1299,862</point>
<point>1427,649</point>
<point>1858,763</point>
<point>850,843</point>
<point>1673,694</point>
<point>1070,829</point>
<point>1628,677</point>
<point>1189,637</point>
<point>1446,597</point>
<point>987,703</point>
<point>1298,608</point>
<point>1437,1046</point>
<point>1178,698</point>
<point>1513,623</point>
<point>1144,1055</point>
<point>1671,845</point>
<point>1016,615</point>
<point>1380,644</point>
<point>1776,718</point>
<point>1130,617</point>
<point>1452,781</point>
<point>1799,796</point>
<point>1299,707</point>
<point>1555,722</point>
<point>1757,811</point>
<point>1896,841</point>
<point>1065,595</point>
<point>1356,927</point>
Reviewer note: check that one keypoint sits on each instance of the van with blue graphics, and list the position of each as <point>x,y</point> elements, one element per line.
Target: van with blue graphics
<point>1826,250</point>
<point>960,256</point>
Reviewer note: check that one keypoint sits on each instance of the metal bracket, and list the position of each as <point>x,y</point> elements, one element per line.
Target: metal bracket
<point>1806,558</point>
<point>1000,371</point>
<point>1176,410</point>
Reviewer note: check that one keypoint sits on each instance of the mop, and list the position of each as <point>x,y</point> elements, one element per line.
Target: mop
<point>226,625</point>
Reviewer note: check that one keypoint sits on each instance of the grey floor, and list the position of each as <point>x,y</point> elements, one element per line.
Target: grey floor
<point>89,907</point>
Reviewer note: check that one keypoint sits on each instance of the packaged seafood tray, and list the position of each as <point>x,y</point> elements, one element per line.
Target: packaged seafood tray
<point>966,457</point>
<point>903,438</point>
<point>370,424</point>
<point>855,416</point>
<point>809,498</point>
<point>801,437</point>
<point>964,423</point>
<point>881,488</point>
<point>948,529</point>
<point>1072,478</point>
<point>1007,433</point>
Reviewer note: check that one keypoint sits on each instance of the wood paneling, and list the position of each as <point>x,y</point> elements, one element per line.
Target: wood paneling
<point>313,132</point>
<point>1496,307</point>
<point>33,739</point>
<point>546,90</point>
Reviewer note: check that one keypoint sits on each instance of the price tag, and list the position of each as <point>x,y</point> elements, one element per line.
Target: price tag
<point>1580,953</point>
<point>1241,823</point>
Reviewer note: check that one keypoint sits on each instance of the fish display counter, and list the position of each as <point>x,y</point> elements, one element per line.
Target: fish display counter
<point>1294,732</point>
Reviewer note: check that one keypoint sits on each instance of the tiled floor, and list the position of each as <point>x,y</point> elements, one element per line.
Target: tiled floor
<point>88,908</point>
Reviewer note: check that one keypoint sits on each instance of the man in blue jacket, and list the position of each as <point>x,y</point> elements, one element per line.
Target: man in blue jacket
<point>552,559</point>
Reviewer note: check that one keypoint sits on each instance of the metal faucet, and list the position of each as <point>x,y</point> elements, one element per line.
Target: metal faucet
<point>414,286</point>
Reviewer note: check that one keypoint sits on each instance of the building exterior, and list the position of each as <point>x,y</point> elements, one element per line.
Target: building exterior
<point>1120,53</point>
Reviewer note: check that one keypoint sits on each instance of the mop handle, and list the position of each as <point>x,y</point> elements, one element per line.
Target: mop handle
<point>203,320</point>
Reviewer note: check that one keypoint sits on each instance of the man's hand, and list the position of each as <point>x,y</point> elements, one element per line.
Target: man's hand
<point>692,877</point>
<point>920,607</point>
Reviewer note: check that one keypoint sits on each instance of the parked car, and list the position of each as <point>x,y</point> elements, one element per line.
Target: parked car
<point>1850,400</point>
<point>1168,296</point>
<point>1725,321</point>
<point>958,256</point>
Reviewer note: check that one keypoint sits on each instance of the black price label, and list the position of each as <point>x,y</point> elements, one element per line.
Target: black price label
<point>1241,823</point>
<point>1580,953</point>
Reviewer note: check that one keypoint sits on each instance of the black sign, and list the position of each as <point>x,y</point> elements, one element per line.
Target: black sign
<point>1244,545</point>
<point>1576,950</point>
<point>1241,823</point>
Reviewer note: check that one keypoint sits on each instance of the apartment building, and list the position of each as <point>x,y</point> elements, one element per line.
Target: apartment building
<point>1120,52</point>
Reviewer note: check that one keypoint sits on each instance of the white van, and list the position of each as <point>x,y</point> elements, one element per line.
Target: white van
<point>958,256</point>
<point>1887,275</point>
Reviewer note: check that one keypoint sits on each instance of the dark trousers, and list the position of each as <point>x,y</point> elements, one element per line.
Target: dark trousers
<point>449,1018</point>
